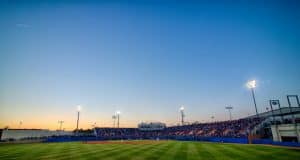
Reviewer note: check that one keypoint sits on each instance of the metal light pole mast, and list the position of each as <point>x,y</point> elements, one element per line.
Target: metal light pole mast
<point>78,114</point>
<point>118,118</point>
<point>252,85</point>
<point>20,124</point>
<point>182,114</point>
<point>118,121</point>
<point>77,120</point>
<point>254,100</point>
<point>114,118</point>
<point>60,124</point>
<point>212,118</point>
<point>229,109</point>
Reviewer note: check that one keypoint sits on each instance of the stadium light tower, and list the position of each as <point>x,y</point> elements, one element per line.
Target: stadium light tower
<point>78,113</point>
<point>20,124</point>
<point>60,125</point>
<point>118,117</point>
<point>182,114</point>
<point>114,117</point>
<point>212,118</point>
<point>229,110</point>
<point>251,85</point>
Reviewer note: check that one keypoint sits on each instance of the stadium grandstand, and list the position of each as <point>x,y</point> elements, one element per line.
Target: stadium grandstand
<point>234,129</point>
<point>279,124</point>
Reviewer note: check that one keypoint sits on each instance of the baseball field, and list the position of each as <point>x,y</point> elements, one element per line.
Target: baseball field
<point>145,150</point>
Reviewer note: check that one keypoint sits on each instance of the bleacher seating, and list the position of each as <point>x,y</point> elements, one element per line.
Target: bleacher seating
<point>231,129</point>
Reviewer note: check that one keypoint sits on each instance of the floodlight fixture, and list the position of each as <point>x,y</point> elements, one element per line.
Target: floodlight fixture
<point>251,84</point>
<point>181,108</point>
<point>78,108</point>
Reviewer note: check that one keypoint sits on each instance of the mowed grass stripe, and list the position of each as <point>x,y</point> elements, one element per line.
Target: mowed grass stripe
<point>227,150</point>
<point>87,150</point>
<point>155,153</point>
<point>242,151</point>
<point>83,152</point>
<point>61,150</point>
<point>192,151</point>
<point>164,150</point>
<point>97,151</point>
<point>107,153</point>
<point>101,151</point>
<point>21,150</point>
<point>38,151</point>
<point>263,152</point>
<point>57,149</point>
<point>204,153</point>
<point>170,153</point>
<point>68,154</point>
<point>291,152</point>
<point>53,150</point>
<point>93,151</point>
<point>114,153</point>
<point>7,148</point>
<point>124,150</point>
<point>142,148</point>
<point>250,151</point>
<point>181,153</point>
<point>13,149</point>
<point>213,151</point>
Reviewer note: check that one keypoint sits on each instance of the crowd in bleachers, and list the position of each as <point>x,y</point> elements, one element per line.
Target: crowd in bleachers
<point>235,129</point>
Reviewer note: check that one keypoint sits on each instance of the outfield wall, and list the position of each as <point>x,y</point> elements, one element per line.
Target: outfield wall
<point>179,138</point>
<point>271,142</point>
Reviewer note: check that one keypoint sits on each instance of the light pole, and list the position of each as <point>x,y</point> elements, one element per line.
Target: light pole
<point>118,117</point>
<point>251,85</point>
<point>229,110</point>
<point>60,124</point>
<point>212,118</point>
<point>94,128</point>
<point>78,113</point>
<point>182,114</point>
<point>114,117</point>
<point>20,124</point>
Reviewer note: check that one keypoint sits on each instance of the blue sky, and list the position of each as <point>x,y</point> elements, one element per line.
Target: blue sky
<point>145,59</point>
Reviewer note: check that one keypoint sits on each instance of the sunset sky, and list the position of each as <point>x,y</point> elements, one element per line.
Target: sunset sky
<point>145,59</point>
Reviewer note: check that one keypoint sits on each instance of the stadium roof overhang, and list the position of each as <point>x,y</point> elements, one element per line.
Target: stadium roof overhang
<point>278,112</point>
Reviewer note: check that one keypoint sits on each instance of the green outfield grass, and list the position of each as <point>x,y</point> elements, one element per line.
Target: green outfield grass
<point>146,150</point>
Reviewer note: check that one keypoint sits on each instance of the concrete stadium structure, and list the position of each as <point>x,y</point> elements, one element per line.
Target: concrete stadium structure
<point>19,134</point>
<point>286,132</point>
